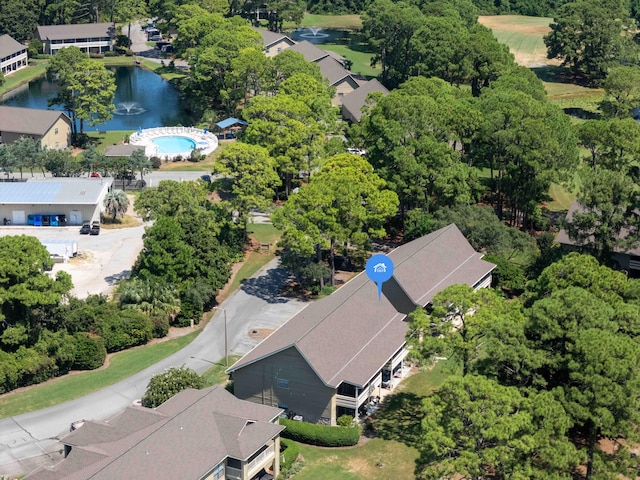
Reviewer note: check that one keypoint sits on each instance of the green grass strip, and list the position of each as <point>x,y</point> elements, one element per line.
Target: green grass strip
<point>122,365</point>
<point>34,70</point>
<point>215,375</point>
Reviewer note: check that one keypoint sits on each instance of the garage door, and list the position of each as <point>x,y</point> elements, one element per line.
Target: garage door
<point>18,217</point>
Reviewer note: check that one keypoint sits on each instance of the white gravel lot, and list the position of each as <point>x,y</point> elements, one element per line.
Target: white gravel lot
<point>102,259</point>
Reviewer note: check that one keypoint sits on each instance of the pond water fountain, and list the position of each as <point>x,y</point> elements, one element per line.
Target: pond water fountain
<point>129,108</point>
<point>314,32</point>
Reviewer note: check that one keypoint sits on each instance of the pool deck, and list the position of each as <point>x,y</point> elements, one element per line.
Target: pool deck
<point>206,142</point>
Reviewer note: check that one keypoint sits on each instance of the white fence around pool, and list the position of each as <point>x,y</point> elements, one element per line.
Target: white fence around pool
<point>205,141</point>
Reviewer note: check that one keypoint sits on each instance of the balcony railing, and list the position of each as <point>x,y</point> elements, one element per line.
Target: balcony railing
<point>232,473</point>
<point>260,461</point>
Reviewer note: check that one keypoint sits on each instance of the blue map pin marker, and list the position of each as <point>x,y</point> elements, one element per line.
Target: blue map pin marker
<point>379,269</point>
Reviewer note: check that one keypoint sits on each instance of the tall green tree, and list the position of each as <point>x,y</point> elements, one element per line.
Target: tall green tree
<point>139,161</point>
<point>288,129</point>
<point>527,144</point>
<point>25,288</point>
<point>474,427</point>
<point>590,36</point>
<point>345,202</point>
<point>606,219</point>
<point>456,326</point>
<point>253,175</point>
<point>622,87</point>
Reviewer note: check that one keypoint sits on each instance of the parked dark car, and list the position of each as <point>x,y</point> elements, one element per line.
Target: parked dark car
<point>206,178</point>
<point>95,230</point>
<point>161,44</point>
<point>167,49</point>
<point>85,229</point>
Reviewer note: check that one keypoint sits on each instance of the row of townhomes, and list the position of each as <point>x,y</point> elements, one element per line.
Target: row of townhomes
<point>196,435</point>
<point>351,89</point>
<point>88,37</point>
<point>13,55</point>
<point>329,359</point>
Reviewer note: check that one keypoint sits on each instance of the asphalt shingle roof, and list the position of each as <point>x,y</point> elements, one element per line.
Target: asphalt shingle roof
<point>354,101</point>
<point>350,335</point>
<point>269,37</point>
<point>9,46</point>
<point>310,52</point>
<point>76,30</point>
<point>183,438</point>
<point>28,121</point>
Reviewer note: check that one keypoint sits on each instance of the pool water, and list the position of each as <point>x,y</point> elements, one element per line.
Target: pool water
<point>173,145</point>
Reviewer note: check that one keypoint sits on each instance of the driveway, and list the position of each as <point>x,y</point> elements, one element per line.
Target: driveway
<point>140,47</point>
<point>29,440</point>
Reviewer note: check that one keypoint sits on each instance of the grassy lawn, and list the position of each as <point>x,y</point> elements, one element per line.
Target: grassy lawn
<point>264,233</point>
<point>108,138</point>
<point>118,61</point>
<point>36,69</point>
<point>122,365</point>
<point>215,375</point>
<point>165,72</point>
<point>361,60</point>
<point>329,21</point>
<point>392,454</point>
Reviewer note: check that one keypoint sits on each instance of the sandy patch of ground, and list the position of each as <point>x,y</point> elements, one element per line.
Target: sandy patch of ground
<point>510,23</point>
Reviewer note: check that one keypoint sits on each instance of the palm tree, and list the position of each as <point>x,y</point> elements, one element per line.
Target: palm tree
<point>116,202</point>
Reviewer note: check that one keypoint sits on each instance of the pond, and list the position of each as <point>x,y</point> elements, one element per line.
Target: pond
<point>143,100</point>
<point>321,35</point>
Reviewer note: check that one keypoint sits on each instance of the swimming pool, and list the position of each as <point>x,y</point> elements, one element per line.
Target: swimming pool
<point>172,145</point>
<point>169,143</point>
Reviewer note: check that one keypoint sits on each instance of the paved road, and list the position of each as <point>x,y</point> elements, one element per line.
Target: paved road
<point>28,440</point>
<point>140,47</point>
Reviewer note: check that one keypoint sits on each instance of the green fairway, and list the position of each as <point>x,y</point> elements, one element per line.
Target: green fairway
<point>121,365</point>
<point>523,35</point>
<point>361,60</point>
<point>330,21</point>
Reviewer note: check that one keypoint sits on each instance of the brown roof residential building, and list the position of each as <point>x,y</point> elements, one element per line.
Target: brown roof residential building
<point>338,77</point>
<point>274,43</point>
<point>13,55</point>
<point>51,127</point>
<point>309,51</point>
<point>332,356</point>
<point>88,37</point>
<point>197,434</point>
<point>353,102</point>
<point>628,259</point>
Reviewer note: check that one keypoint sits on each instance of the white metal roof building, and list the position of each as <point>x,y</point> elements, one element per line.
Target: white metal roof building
<point>52,202</point>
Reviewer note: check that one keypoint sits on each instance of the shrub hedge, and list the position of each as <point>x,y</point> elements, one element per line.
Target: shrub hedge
<point>290,451</point>
<point>321,435</point>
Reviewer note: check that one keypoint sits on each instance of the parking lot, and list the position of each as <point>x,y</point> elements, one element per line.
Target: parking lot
<point>102,259</point>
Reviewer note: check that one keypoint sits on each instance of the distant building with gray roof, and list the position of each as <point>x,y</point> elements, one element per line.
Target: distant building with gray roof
<point>330,358</point>
<point>353,103</point>
<point>72,200</point>
<point>51,127</point>
<point>13,55</point>
<point>196,435</point>
<point>274,42</point>
<point>88,37</point>
<point>309,51</point>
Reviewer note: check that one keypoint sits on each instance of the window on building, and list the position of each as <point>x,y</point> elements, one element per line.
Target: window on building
<point>283,383</point>
<point>234,463</point>
<point>218,472</point>
<point>55,131</point>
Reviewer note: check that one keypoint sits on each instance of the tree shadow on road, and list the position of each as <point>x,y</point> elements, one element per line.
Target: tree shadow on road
<point>268,286</point>
<point>117,277</point>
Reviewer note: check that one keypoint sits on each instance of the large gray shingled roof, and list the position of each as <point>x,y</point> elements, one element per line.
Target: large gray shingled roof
<point>354,101</point>
<point>183,438</point>
<point>350,335</point>
<point>9,46</point>
<point>76,30</point>
<point>28,121</point>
